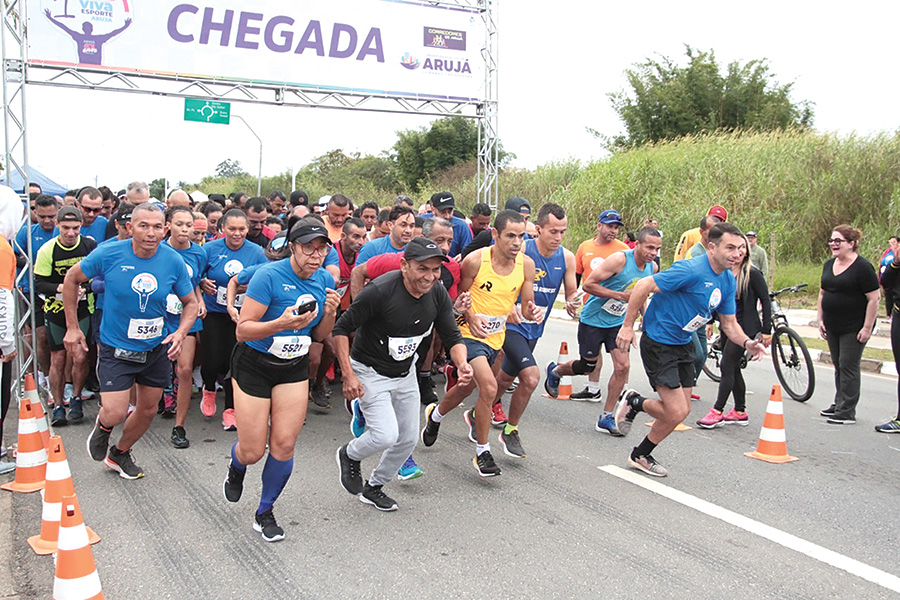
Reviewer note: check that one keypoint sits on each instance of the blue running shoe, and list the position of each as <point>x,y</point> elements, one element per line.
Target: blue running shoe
<point>607,424</point>
<point>358,422</point>
<point>409,470</point>
<point>551,383</point>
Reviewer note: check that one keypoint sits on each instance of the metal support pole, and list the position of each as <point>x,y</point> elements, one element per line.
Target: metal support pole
<point>259,178</point>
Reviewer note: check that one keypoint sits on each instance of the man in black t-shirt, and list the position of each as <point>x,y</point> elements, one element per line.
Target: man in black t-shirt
<point>391,317</point>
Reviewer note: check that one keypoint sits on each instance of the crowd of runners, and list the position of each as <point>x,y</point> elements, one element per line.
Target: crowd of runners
<point>253,305</point>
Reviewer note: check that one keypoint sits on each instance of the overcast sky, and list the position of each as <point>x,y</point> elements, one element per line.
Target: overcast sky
<point>558,61</point>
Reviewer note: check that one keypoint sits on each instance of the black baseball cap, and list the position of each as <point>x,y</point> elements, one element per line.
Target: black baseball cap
<point>420,249</point>
<point>518,204</point>
<point>443,201</point>
<point>304,233</point>
<point>69,213</point>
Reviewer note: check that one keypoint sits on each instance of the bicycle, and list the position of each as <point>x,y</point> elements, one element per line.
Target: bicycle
<point>790,356</point>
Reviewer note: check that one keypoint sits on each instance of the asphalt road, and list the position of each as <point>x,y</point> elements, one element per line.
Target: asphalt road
<point>554,525</point>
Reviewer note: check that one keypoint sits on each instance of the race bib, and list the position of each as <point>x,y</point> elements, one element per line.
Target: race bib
<point>173,304</point>
<point>617,308</point>
<point>401,348</point>
<point>696,323</point>
<point>222,294</point>
<point>289,346</point>
<point>493,325</point>
<point>145,329</point>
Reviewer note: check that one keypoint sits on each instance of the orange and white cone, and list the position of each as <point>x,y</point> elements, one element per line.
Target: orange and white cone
<point>565,381</point>
<point>58,485</point>
<point>39,415</point>
<point>31,455</point>
<point>76,572</point>
<point>772,446</point>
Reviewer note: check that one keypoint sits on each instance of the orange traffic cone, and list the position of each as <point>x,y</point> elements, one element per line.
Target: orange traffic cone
<point>31,456</point>
<point>565,381</point>
<point>59,484</point>
<point>76,572</point>
<point>772,446</point>
<point>39,415</point>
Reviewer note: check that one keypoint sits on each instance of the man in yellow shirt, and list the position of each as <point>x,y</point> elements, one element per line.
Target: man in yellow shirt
<point>690,237</point>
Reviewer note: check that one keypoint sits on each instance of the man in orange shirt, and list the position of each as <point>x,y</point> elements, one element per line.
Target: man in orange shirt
<point>589,256</point>
<point>336,214</point>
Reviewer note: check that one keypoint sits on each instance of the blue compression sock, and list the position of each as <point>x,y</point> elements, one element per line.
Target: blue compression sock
<point>238,465</point>
<point>275,476</point>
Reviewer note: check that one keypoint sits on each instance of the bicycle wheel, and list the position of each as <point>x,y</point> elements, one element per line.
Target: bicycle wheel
<point>712,366</point>
<point>793,365</point>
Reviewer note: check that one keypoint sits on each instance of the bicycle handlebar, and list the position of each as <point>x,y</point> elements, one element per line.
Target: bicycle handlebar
<point>792,289</point>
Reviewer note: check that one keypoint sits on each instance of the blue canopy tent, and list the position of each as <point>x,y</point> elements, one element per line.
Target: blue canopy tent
<point>34,176</point>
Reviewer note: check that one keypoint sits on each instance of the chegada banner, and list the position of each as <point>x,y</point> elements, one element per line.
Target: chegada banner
<point>392,47</point>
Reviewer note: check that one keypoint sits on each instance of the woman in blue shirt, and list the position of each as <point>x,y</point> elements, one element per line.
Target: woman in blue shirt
<point>288,304</point>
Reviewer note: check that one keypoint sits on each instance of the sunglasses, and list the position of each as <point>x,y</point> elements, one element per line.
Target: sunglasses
<point>836,241</point>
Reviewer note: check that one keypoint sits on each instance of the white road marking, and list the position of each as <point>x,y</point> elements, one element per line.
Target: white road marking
<point>839,452</point>
<point>892,448</point>
<point>829,557</point>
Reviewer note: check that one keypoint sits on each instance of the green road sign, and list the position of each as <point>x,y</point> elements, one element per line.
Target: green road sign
<point>207,111</point>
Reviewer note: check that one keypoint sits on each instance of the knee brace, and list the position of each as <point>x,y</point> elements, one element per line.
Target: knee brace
<point>583,367</point>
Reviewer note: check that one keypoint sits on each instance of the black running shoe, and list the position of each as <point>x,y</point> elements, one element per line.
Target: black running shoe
<point>372,494</point>
<point>123,463</point>
<point>76,411</point>
<point>233,486</point>
<point>58,419</point>
<point>266,525</point>
<point>179,437</point>
<point>485,465</point>
<point>827,412</point>
<point>469,418</point>
<point>350,474</point>
<point>430,431</point>
<point>426,391</point>
<point>587,394</point>
<point>98,441</point>
<point>512,445</point>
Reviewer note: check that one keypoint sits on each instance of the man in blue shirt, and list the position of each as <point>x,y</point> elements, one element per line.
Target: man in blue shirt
<point>134,350</point>
<point>685,298</point>
<point>403,220</point>
<point>90,201</point>
<point>444,205</point>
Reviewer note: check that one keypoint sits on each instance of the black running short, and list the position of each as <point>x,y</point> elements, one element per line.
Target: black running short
<point>591,339</point>
<point>668,366</point>
<point>117,375</point>
<point>258,372</point>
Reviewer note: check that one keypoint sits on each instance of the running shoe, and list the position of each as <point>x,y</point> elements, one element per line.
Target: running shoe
<point>87,393</point>
<point>123,463</point>
<point>179,437</point>
<point>426,391</point>
<point>512,445</point>
<point>512,387</point>
<point>98,441</point>
<point>358,422</point>
<point>208,403</point>
<point>648,465</point>
<point>892,426</point>
<point>607,424</point>
<point>485,465</point>
<point>828,412</point>
<point>551,383</point>
<point>168,411</point>
<point>68,392</point>
<point>233,486</point>
<point>265,524</point>
<point>498,417</point>
<point>430,431</point>
<point>7,467</point>
<point>588,395</point>
<point>450,377</point>
<point>349,470</point>
<point>59,417</point>
<point>840,421</point>
<point>229,421</point>
<point>372,494</point>
<point>695,397</point>
<point>317,394</point>
<point>712,420</point>
<point>737,418</point>
<point>76,410</point>
<point>624,413</point>
<point>469,418</point>
<point>348,404</point>
<point>409,470</point>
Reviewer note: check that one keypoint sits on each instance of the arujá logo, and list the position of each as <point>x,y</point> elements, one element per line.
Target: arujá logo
<point>144,284</point>
<point>715,298</point>
<point>409,61</point>
<point>233,267</point>
<point>90,23</point>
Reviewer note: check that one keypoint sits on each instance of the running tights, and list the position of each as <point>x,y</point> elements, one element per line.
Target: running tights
<point>218,341</point>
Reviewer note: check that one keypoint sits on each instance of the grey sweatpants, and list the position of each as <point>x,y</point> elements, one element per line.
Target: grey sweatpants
<point>391,408</point>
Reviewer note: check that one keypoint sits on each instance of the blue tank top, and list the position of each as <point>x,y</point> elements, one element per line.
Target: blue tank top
<point>548,278</point>
<point>608,312</point>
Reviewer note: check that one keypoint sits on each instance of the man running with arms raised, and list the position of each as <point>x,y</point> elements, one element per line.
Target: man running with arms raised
<point>495,276</point>
<point>685,297</point>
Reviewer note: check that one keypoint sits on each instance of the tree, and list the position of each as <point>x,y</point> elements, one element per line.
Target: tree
<point>667,101</point>
<point>229,168</point>
<point>420,153</point>
<point>158,189</point>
